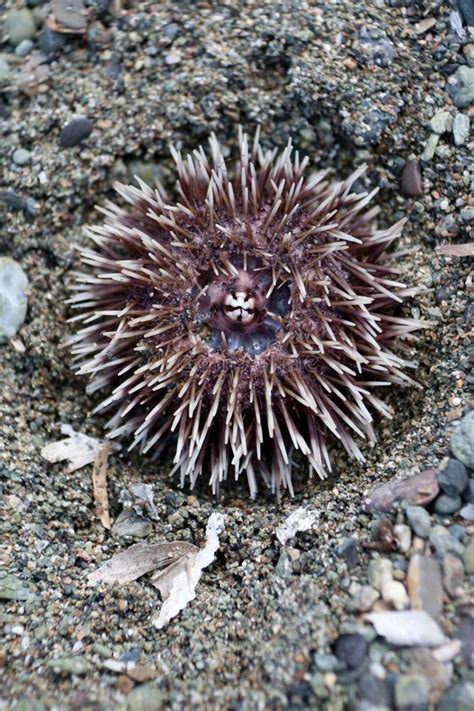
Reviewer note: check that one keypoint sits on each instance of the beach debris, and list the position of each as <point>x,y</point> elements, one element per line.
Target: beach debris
<point>99,484</point>
<point>302,519</point>
<point>77,448</point>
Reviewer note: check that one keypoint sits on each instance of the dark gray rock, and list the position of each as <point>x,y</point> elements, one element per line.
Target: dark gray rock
<point>75,132</point>
<point>50,41</point>
<point>468,493</point>
<point>351,649</point>
<point>452,477</point>
<point>349,551</point>
<point>466,8</point>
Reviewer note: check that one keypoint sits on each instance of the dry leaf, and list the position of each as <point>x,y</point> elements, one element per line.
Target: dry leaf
<point>138,560</point>
<point>457,250</point>
<point>408,628</point>
<point>99,484</point>
<point>300,520</point>
<point>177,584</point>
<point>78,449</point>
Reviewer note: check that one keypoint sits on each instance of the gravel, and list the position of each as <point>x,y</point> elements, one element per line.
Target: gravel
<point>350,86</point>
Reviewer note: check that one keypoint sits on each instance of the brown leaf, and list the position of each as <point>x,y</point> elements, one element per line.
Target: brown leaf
<point>138,560</point>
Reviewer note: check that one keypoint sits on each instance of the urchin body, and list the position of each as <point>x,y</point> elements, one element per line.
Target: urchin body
<point>249,319</point>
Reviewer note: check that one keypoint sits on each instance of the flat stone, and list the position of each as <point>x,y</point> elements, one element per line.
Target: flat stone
<point>453,575</point>
<point>13,297</point>
<point>70,14</point>
<point>462,440</point>
<point>419,489</point>
<point>430,147</point>
<point>468,558</point>
<point>424,585</point>
<point>419,520</point>
<point>461,88</point>
<point>408,628</point>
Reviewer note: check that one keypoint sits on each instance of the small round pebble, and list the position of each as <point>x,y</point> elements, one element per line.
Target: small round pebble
<point>453,478</point>
<point>419,520</point>
<point>75,132</point>
<point>351,649</point>
<point>21,156</point>
<point>445,504</point>
<point>13,297</point>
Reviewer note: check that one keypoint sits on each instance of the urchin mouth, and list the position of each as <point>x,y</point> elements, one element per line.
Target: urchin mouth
<point>242,313</point>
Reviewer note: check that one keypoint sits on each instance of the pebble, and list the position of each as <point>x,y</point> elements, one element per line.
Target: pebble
<point>13,297</point>
<point>468,557</point>
<point>146,697</point>
<point>411,692</point>
<point>418,489</point>
<point>441,122</point>
<point>128,523</point>
<point>349,551</point>
<point>445,504</point>
<point>325,662</point>
<point>459,697</point>
<point>430,147</point>
<point>75,131</point>
<point>374,691</point>
<point>363,600</point>
<point>4,70</point>
<point>467,214</point>
<point>380,572</point>
<point>461,88</point>
<point>424,585</point>
<point>411,183</point>
<point>70,665</point>
<point>403,535</point>
<point>452,477</point>
<point>21,156</point>
<point>461,129</point>
<point>462,441</point>
<point>468,493</point>
<point>419,520</point>
<point>466,635</point>
<point>351,649</point>
<point>24,48</point>
<point>50,41</point>
<point>394,593</point>
<point>444,542</point>
<point>453,575</point>
<point>19,25</point>
<point>467,512</point>
<point>408,628</point>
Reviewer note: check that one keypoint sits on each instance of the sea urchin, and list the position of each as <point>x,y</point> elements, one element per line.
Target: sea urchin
<point>247,320</point>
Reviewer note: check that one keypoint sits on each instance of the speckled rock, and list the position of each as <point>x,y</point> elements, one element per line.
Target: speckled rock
<point>419,520</point>
<point>13,297</point>
<point>461,89</point>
